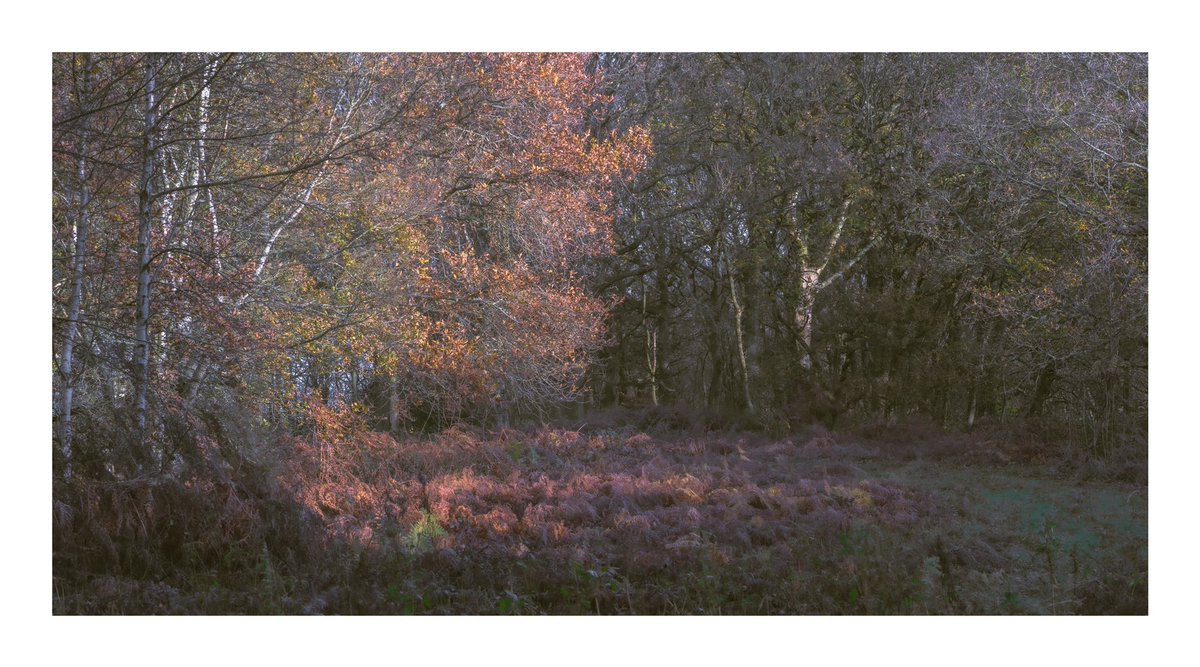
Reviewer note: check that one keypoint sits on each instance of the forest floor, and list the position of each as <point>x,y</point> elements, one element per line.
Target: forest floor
<point>618,521</point>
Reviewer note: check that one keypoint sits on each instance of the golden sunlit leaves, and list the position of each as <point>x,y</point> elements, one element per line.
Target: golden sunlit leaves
<point>478,298</point>
<point>428,219</point>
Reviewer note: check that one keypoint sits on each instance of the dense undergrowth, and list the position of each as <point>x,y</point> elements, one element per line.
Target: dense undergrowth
<point>623,514</point>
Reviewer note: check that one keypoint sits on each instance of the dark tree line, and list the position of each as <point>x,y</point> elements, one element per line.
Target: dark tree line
<point>870,237</point>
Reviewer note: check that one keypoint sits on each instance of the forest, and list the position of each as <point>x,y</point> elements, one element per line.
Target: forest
<point>600,333</point>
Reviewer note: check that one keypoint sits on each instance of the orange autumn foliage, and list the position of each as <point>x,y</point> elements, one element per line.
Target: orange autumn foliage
<point>458,271</point>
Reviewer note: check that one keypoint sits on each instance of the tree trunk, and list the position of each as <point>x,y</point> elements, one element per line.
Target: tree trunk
<point>716,394</point>
<point>651,350</point>
<point>393,406</point>
<point>1043,389</point>
<point>202,159</point>
<point>652,362</point>
<point>144,247</point>
<point>74,307</point>
<point>804,314</point>
<point>738,311</point>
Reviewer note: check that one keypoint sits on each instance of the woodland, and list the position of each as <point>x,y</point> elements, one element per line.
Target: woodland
<point>599,333</point>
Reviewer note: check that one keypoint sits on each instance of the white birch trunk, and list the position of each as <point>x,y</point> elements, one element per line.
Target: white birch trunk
<point>738,311</point>
<point>210,71</point>
<point>144,252</point>
<point>809,282</point>
<point>74,307</point>
<point>651,350</point>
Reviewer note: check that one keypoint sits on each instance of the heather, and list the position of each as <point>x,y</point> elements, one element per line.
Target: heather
<point>558,520</point>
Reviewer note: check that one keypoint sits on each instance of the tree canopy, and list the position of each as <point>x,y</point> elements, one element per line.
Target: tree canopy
<point>440,237</point>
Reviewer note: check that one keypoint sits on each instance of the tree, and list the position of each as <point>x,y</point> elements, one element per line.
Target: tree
<point>310,223</point>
